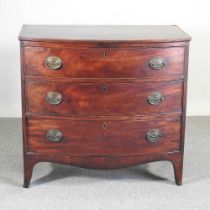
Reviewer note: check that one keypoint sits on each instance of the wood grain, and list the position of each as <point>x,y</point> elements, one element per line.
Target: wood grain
<point>83,99</point>
<point>89,137</point>
<point>103,33</point>
<point>91,63</point>
<point>123,107</point>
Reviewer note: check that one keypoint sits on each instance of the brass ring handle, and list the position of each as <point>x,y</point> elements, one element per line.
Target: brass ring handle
<point>54,98</point>
<point>54,135</point>
<point>156,98</point>
<point>157,63</point>
<point>154,135</point>
<point>53,62</point>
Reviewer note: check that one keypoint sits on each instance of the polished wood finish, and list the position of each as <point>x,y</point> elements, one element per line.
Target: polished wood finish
<point>103,137</point>
<point>103,33</point>
<point>104,62</point>
<point>105,80</point>
<point>107,99</point>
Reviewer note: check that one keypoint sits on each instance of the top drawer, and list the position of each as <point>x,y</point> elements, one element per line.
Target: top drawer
<point>103,62</point>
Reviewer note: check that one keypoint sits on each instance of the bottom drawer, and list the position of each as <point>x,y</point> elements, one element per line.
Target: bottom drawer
<point>85,137</point>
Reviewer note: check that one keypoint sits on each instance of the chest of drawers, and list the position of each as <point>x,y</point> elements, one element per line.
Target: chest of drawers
<point>103,97</point>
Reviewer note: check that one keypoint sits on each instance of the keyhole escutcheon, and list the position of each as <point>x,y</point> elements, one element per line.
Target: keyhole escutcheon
<point>104,88</point>
<point>104,125</point>
<point>105,54</point>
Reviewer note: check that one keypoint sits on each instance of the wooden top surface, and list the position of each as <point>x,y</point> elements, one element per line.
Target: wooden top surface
<point>103,33</point>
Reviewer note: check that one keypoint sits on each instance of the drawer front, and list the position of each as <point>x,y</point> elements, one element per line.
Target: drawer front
<point>103,137</point>
<point>103,62</point>
<point>74,99</point>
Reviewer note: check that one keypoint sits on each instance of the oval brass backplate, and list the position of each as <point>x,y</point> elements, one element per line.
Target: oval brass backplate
<point>53,62</point>
<point>155,98</point>
<point>54,98</point>
<point>157,63</point>
<point>54,135</point>
<point>154,135</point>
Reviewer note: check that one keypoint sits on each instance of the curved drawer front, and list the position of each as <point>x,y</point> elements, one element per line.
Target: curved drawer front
<point>103,137</point>
<point>104,62</point>
<point>75,99</point>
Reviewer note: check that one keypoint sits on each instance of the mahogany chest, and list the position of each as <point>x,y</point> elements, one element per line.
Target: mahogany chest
<point>103,97</point>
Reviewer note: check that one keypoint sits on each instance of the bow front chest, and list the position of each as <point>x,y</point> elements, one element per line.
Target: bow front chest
<point>103,97</point>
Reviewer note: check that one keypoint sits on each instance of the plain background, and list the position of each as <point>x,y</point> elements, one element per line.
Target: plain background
<point>192,16</point>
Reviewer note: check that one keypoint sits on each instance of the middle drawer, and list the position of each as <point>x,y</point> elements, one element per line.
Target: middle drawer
<point>93,99</point>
